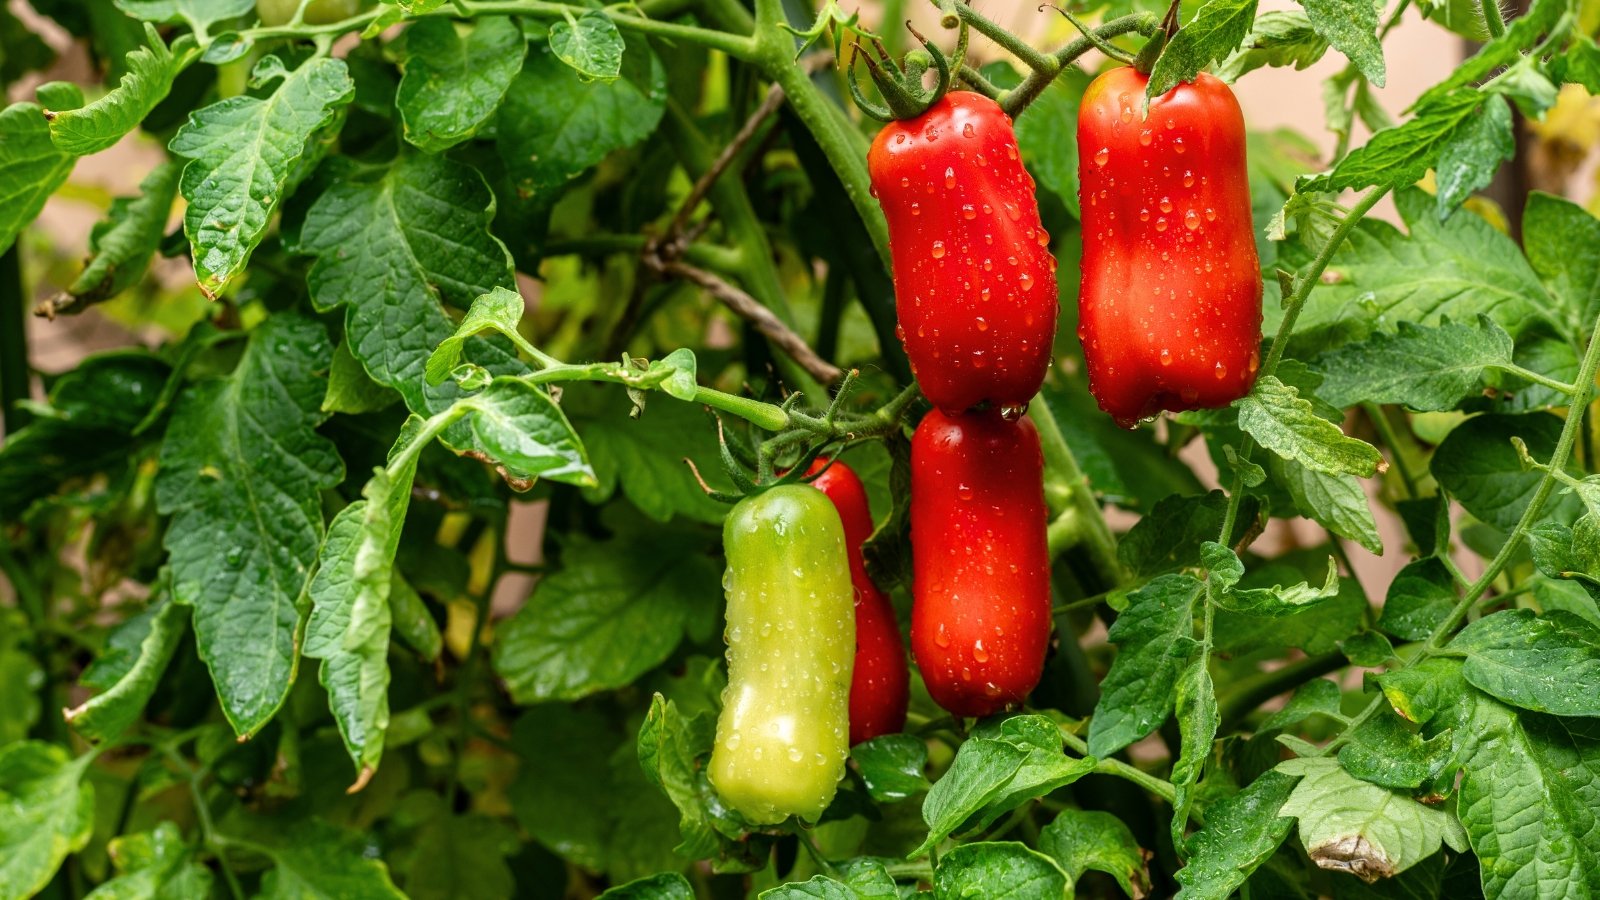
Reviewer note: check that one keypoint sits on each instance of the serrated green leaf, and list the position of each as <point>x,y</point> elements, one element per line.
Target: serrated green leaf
<point>1198,718</point>
<point>124,243</point>
<point>1241,832</point>
<point>862,879</point>
<point>350,389</point>
<point>49,814</point>
<point>242,152</point>
<point>644,456</point>
<point>1383,751</point>
<point>1154,638</point>
<point>1562,241</point>
<point>666,886</point>
<point>199,14</point>
<point>242,469</point>
<point>1580,64</point>
<point>669,745</point>
<point>452,84</point>
<point>1278,601</point>
<point>315,860</point>
<point>1351,26</point>
<point>1454,269</point>
<point>149,72</point>
<point>523,429</point>
<point>1477,464</point>
<point>350,619</point>
<point>1420,598</point>
<point>1080,840</point>
<point>1336,502</point>
<point>1469,159</point>
<point>553,125</point>
<point>1520,35</point>
<point>1003,870</point>
<point>1548,663</point>
<point>412,621</point>
<point>1425,368</point>
<point>892,766</point>
<point>590,44</point>
<point>992,775</point>
<point>390,249</point>
<point>109,713</point>
<point>1169,536</point>
<point>498,310</point>
<point>1217,29</point>
<point>1284,422</point>
<point>1398,157</point>
<point>31,168</point>
<point>1349,825</point>
<point>614,610</point>
<point>1277,38</point>
<point>152,865</point>
<point>1317,697</point>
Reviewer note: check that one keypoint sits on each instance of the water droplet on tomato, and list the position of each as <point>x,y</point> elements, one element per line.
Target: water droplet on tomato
<point>732,743</point>
<point>1177,145</point>
<point>988,265</point>
<point>916,209</point>
<point>1255,361</point>
<point>1144,215</point>
<point>938,250</point>
<point>1211,214</point>
<point>1161,224</point>
<point>967,130</point>
<point>1043,237</point>
<point>981,322</point>
<point>796,754</point>
<point>979,652</point>
<point>1188,179</point>
<point>1145,137</point>
<point>1221,371</point>
<point>1025,280</point>
<point>940,637</point>
<point>949,177</point>
<point>1191,220</point>
<point>982,163</point>
<point>899,139</point>
<point>905,181</point>
<point>1011,151</point>
<point>966,673</point>
<point>1102,156</point>
<point>1166,204</point>
<point>1166,356</point>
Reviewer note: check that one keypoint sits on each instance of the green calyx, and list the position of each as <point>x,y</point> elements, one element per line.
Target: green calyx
<point>900,84</point>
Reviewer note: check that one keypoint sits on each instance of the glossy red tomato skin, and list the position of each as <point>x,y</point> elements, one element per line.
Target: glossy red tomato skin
<point>975,283</point>
<point>1170,302</point>
<point>980,616</point>
<point>879,688</point>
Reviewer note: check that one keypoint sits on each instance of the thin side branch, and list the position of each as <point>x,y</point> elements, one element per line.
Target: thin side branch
<point>750,309</point>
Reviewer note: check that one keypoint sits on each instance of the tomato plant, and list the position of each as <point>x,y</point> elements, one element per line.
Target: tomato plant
<point>734,448</point>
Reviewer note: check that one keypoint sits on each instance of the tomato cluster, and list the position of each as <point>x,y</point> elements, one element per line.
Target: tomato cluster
<point>1169,316</point>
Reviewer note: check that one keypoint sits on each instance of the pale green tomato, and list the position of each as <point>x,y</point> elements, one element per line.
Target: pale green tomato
<point>783,735</point>
<point>320,12</point>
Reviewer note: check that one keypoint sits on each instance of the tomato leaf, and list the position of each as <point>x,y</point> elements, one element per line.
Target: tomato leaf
<point>143,645</point>
<point>1350,825</point>
<point>149,72</point>
<point>1080,840</point>
<point>1423,368</point>
<point>49,814</point>
<point>31,167</point>
<point>999,871</point>
<point>157,863</point>
<point>241,473</point>
<point>451,85</point>
<point>1154,638</point>
<point>243,152</point>
<point>1351,26</point>
<point>1277,38</point>
<point>1548,663</point>
<point>1241,832</point>
<point>1217,29</point>
<point>1562,240</point>
<point>123,244</point>
<point>892,766</point>
<point>1478,465</point>
<point>1284,422</point>
<point>590,44</point>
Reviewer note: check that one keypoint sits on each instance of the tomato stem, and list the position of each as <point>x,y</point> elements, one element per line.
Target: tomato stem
<point>1017,99</point>
<point>1067,489</point>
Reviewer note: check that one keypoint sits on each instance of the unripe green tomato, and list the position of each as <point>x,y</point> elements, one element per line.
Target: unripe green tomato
<point>783,735</point>
<point>320,12</point>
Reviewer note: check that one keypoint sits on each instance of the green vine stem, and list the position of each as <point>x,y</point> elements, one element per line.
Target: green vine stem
<point>1080,520</point>
<point>1120,769</point>
<point>1017,99</point>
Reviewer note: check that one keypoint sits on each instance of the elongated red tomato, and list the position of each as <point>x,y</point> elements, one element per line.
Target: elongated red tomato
<point>878,691</point>
<point>980,615</point>
<point>974,281</point>
<point>1170,306</point>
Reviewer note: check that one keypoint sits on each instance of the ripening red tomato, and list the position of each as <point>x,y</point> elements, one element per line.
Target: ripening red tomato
<point>974,281</point>
<point>1170,305</point>
<point>878,691</point>
<point>980,616</point>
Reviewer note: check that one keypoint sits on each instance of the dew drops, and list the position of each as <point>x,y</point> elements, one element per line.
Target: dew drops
<point>1127,113</point>
<point>1011,151</point>
<point>756,753</point>
<point>967,130</point>
<point>1191,220</point>
<point>1166,356</point>
<point>981,161</point>
<point>981,322</point>
<point>1013,212</point>
<point>904,180</point>
<point>988,265</point>
<point>1102,156</point>
<point>732,743</point>
<point>940,637</point>
<point>1166,204</point>
<point>1161,224</point>
<point>1188,179</point>
<point>1145,137</point>
<point>796,754</point>
<point>966,673</point>
<point>964,491</point>
<point>938,250</point>
<point>1144,215</point>
<point>1177,145</point>
<point>916,209</point>
<point>949,177</point>
<point>1221,371</point>
<point>1211,214</point>
<point>968,213</point>
<point>1043,237</point>
<point>1025,280</point>
<point>899,139</point>
<point>1255,361</point>
<point>983,295</point>
<point>980,653</point>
